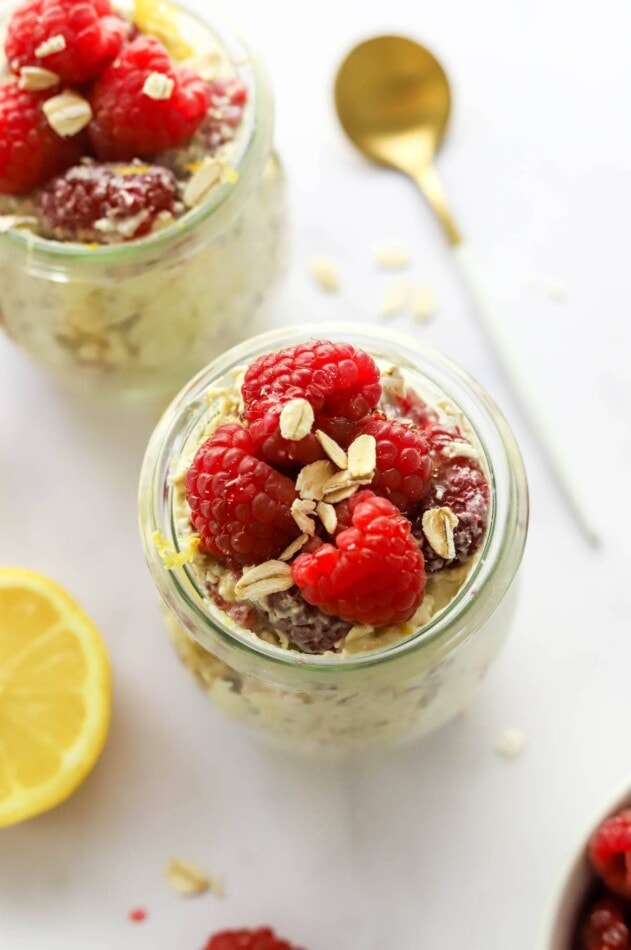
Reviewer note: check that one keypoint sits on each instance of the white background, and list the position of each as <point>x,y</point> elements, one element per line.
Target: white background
<point>446,845</point>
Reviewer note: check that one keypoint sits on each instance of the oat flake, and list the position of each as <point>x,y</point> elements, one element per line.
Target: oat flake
<point>267,578</point>
<point>54,44</point>
<point>34,78</point>
<point>327,516</point>
<point>296,419</point>
<point>301,510</point>
<point>438,528</point>
<point>325,273</point>
<point>510,743</point>
<point>186,878</point>
<point>334,451</point>
<point>312,479</point>
<point>158,86</point>
<point>68,113</point>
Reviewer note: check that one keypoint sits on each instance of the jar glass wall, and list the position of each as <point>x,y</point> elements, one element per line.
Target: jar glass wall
<point>332,704</point>
<point>148,313</point>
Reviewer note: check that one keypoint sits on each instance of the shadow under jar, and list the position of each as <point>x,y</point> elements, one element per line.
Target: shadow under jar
<point>148,313</point>
<point>331,704</point>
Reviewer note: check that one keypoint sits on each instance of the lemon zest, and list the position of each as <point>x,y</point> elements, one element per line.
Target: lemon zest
<point>131,169</point>
<point>160,19</point>
<point>193,167</point>
<point>170,558</point>
<point>231,176</point>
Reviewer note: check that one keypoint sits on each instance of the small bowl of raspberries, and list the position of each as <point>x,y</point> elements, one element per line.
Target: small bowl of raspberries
<point>592,909</point>
<point>135,238</point>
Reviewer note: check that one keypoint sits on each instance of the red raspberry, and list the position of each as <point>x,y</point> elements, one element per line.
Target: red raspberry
<point>461,486</point>
<point>340,381</point>
<point>240,506</point>
<point>263,938</point>
<point>605,927</point>
<point>610,853</point>
<point>108,203</point>
<point>227,101</point>
<point>127,122</point>
<point>30,151</point>
<point>280,452</point>
<point>373,574</point>
<point>404,465</point>
<point>92,34</point>
<point>411,406</point>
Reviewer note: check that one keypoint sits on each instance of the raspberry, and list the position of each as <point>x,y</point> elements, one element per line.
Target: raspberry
<point>227,100</point>
<point>108,203</point>
<point>410,406</point>
<point>404,465</point>
<point>30,151</point>
<point>127,122</point>
<point>306,626</point>
<point>280,452</point>
<point>604,927</point>
<point>610,853</point>
<point>461,486</point>
<point>373,574</point>
<point>340,382</point>
<point>92,35</point>
<point>240,506</point>
<point>263,938</point>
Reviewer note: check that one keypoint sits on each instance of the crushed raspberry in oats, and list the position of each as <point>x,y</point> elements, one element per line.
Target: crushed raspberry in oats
<point>108,203</point>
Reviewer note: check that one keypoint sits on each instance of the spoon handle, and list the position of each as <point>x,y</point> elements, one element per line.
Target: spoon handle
<point>534,410</point>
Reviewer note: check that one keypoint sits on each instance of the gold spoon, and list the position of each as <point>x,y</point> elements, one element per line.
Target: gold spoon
<point>393,100</point>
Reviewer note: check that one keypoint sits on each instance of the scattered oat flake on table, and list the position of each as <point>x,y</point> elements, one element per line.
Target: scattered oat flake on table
<point>391,257</point>
<point>325,274</point>
<point>396,298</point>
<point>511,743</point>
<point>186,878</point>
<point>556,291</point>
<point>423,303</point>
<point>217,885</point>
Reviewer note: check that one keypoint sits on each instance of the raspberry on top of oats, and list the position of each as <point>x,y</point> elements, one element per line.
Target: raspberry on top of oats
<point>31,152</point>
<point>333,534</point>
<point>240,506</point>
<point>74,40</point>
<point>143,104</point>
<point>373,574</point>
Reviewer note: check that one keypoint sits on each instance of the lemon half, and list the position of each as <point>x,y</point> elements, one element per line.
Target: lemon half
<point>55,694</point>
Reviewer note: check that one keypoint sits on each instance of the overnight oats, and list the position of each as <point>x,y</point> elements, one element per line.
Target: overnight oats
<point>333,525</point>
<point>141,207</point>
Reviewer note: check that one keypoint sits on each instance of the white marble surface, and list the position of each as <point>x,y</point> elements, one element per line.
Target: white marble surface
<point>445,845</point>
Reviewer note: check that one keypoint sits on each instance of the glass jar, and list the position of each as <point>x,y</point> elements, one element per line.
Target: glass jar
<point>147,314</point>
<point>332,704</point>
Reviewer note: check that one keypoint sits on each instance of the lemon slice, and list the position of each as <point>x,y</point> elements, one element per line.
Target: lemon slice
<point>55,694</point>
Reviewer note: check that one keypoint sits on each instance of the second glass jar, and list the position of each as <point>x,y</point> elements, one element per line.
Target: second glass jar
<point>145,315</point>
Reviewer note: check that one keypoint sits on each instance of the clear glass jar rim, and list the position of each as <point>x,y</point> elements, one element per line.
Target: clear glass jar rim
<point>507,523</point>
<point>249,162</point>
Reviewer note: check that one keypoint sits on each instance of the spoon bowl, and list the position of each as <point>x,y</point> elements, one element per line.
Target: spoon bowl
<point>393,101</point>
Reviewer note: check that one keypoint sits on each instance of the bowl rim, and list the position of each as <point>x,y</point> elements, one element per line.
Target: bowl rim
<point>572,883</point>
